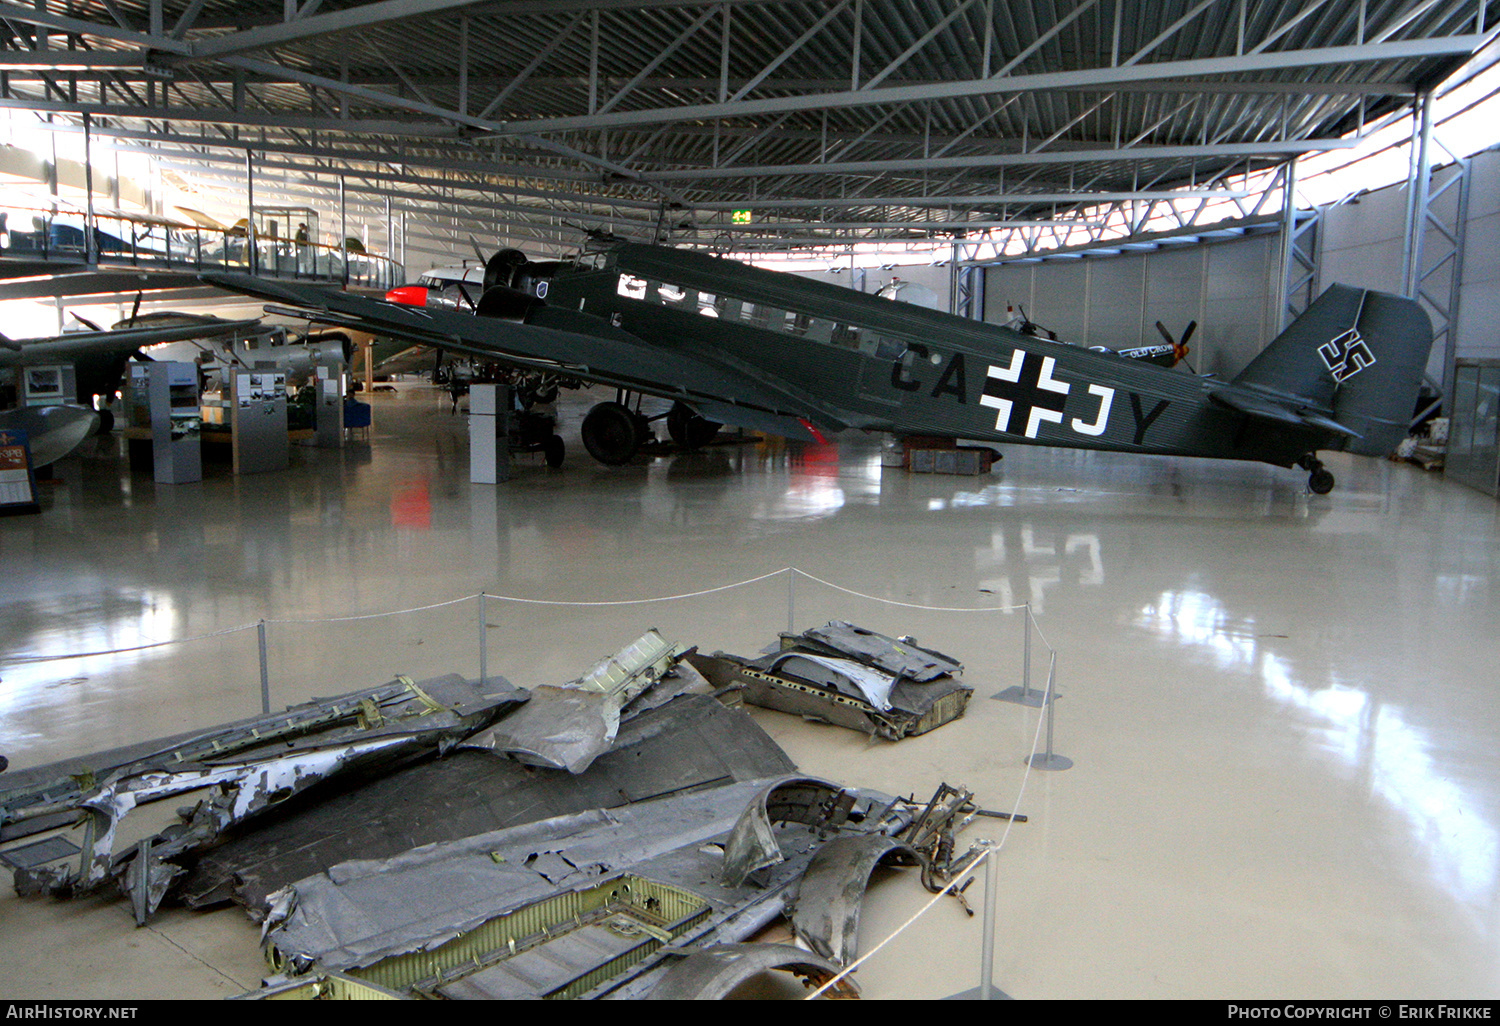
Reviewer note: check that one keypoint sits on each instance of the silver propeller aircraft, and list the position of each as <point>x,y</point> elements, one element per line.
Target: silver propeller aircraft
<point>734,344</point>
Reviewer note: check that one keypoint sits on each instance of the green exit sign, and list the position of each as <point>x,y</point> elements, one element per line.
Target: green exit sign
<point>742,217</point>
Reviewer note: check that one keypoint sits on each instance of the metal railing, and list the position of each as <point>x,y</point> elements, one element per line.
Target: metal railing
<point>124,240</point>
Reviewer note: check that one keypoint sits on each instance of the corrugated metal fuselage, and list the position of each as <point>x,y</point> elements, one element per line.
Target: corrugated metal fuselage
<point>881,365</point>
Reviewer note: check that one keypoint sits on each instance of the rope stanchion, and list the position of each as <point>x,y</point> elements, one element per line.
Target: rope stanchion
<point>989,852</point>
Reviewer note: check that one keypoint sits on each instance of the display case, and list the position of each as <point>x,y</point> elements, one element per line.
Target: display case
<point>259,420</point>
<point>176,419</point>
<point>1474,427</point>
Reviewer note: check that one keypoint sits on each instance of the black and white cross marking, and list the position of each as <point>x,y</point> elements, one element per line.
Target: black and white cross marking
<point>1026,393</point>
<point>1346,355</point>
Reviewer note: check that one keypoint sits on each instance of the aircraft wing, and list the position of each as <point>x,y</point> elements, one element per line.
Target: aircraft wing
<point>571,343</point>
<point>1278,411</point>
<point>14,352</point>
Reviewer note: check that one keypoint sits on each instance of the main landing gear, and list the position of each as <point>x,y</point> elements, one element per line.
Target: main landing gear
<point>1319,479</point>
<point>613,432</point>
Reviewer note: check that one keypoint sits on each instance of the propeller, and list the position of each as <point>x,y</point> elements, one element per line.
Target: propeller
<point>1179,346</point>
<point>87,323</point>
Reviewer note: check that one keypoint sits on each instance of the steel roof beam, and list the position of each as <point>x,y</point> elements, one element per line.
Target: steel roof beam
<point>960,200</point>
<point>192,143</point>
<point>802,226</point>
<point>656,62</point>
<point>985,160</point>
<point>483,187</point>
<point>371,14</point>
<point>1102,79</point>
<point>32,16</point>
<point>278,71</point>
<point>690,83</point>
<point>73,60</point>
<point>450,199</point>
<point>198,115</point>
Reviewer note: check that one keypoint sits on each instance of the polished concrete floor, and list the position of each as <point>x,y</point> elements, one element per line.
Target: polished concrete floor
<point>1281,708</point>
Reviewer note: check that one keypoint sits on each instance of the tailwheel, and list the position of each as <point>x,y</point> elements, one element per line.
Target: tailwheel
<point>688,429</point>
<point>612,434</point>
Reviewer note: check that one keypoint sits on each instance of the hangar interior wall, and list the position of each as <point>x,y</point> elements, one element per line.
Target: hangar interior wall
<point>1231,288</point>
<point>1227,287</point>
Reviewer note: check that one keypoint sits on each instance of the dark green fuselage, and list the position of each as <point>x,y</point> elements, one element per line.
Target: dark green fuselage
<point>878,364</point>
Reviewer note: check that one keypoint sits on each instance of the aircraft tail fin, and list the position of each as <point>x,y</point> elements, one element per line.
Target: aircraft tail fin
<point>1357,355</point>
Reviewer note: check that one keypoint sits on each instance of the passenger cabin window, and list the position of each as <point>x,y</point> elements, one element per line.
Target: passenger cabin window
<point>761,315</point>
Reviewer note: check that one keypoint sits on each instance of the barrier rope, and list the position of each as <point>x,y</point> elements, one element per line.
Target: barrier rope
<point>376,616</point>
<point>25,660</point>
<point>640,601</point>
<point>907,605</point>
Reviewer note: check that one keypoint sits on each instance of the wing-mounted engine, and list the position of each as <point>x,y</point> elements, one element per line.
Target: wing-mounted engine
<point>512,288</point>
<point>510,268</point>
<point>503,268</point>
<point>507,304</point>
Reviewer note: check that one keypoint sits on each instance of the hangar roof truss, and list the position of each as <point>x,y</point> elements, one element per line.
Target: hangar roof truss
<point>852,118</point>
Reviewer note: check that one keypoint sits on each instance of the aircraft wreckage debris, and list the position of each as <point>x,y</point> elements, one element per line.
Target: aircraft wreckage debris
<point>627,834</point>
<point>849,677</point>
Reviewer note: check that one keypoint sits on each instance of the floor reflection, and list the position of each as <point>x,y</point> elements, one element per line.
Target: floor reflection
<point>1343,721</point>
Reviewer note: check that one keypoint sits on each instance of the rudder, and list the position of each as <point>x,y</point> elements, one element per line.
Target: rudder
<point>1357,355</point>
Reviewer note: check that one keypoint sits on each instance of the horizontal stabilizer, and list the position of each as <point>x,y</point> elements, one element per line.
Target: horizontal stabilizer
<point>1279,411</point>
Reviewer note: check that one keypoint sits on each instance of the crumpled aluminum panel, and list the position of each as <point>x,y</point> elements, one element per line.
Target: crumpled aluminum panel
<point>691,742</point>
<point>560,728</point>
<point>847,676</point>
<point>361,912</point>
<point>712,973</point>
<point>832,891</point>
<point>893,656</point>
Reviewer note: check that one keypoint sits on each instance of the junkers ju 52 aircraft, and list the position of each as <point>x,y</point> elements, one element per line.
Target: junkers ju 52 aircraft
<point>764,350</point>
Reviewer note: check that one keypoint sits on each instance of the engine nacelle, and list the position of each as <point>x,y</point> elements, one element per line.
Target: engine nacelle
<point>508,304</point>
<point>502,269</point>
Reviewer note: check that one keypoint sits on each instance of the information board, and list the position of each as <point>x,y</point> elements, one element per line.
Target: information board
<point>17,482</point>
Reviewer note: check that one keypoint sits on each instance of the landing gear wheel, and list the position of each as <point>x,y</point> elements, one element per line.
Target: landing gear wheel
<point>611,434</point>
<point>688,429</point>
<point>1319,480</point>
<point>553,451</point>
<point>106,420</point>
